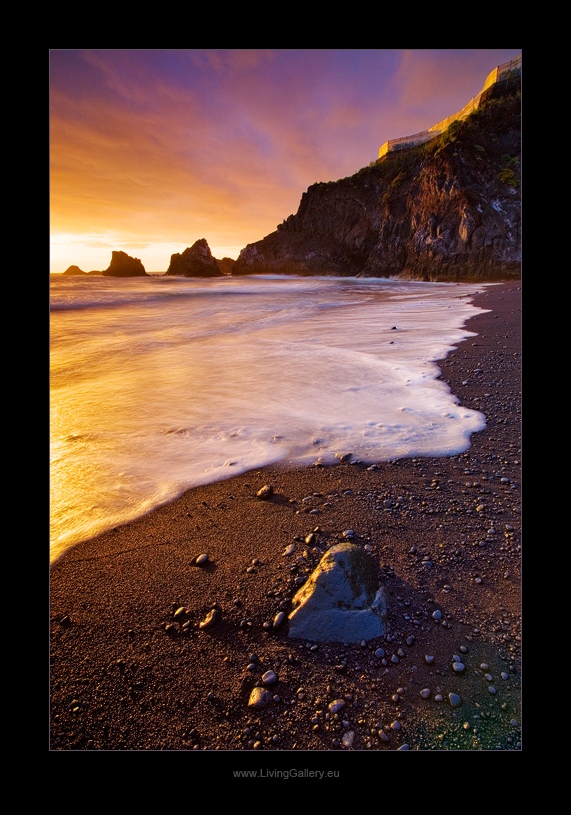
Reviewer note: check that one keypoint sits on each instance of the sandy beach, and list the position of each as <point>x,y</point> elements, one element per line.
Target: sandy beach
<point>127,674</point>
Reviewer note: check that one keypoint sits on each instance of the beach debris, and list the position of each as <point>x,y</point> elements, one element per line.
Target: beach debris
<point>265,492</point>
<point>259,698</point>
<point>341,601</point>
<point>202,560</point>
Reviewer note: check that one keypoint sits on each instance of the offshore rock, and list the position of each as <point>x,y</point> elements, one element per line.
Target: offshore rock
<point>341,601</point>
<point>196,261</point>
<point>449,210</point>
<point>123,265</point>
<point>74,270</point>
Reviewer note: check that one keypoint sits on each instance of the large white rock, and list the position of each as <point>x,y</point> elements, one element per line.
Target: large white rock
<point>341,601</point>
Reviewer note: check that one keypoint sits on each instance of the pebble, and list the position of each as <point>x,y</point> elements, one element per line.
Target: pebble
<point>289,550</point>
<point>269,678</point>
<point>348,738</point>
<point>349,534</point>
<point>429,659</point>
<point>336,705</point>
<point>380,652</point>
<point>404,747</point>
<point>265,492</point>
<point>259,698</point>
<point>278,619</point>
<point>458,667</point>
<point>436,615</point>
<point>425,693</point>
<point>211,618</point>
<point>455,699</point>
<point>202,560</point>
<point>396,725</point>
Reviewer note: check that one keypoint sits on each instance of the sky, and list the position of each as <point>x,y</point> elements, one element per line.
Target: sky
<point>152,150</point>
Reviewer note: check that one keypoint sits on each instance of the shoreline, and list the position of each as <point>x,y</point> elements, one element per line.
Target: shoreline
<point>120,680</point>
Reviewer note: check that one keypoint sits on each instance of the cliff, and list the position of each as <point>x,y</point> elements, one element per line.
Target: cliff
<point>446,210</point>
<point>123,265</point>
<point>196,261</point>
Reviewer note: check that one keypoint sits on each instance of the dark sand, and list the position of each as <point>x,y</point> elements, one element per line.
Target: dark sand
<point>120,681</point>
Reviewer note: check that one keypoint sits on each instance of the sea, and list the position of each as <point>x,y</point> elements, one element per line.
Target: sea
<point>160,383</point>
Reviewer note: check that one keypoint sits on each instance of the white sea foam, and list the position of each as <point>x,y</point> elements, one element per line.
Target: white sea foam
<point>159,384</point>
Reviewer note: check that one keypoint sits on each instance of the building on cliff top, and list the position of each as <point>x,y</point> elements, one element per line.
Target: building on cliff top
<point>502,74</point>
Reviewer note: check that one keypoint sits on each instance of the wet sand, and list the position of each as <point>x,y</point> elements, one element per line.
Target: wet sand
<point>125,674</point>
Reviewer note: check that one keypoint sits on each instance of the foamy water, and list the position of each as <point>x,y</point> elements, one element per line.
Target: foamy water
<point>159,384</point>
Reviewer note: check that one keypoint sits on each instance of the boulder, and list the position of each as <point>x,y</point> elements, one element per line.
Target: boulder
<point>341,601</point>
<point>123,265</point>
<point>196,261</point>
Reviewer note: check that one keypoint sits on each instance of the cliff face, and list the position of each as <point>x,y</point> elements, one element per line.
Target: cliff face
<point>196,261</point>
<point>448,210</point>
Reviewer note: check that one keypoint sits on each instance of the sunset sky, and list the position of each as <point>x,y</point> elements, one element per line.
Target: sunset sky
<point>151,150</point>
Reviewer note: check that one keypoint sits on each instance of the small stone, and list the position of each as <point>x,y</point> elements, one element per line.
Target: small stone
<point>289,550</point>
<point>425,693</point>
<point>436,615</point>
<point>455,699</point>
<point>265,492</point>
<point>404,747</point>
<point>348,738</point>
<point>396,725</point>
<point>269,678</point>
<point>429,659</point>
<point>458,667</point>
<point>211,618</point>
<point>278,619</point>
<point>259,698</point>
<point>202,560</point>
<point>380,652</point>
<point>492,689</point>
<point>336,705</point>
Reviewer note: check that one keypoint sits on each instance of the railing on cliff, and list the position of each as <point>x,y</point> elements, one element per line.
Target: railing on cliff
<point>501,73</point>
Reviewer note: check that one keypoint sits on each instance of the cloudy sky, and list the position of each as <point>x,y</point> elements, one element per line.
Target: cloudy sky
<point>151,150</point>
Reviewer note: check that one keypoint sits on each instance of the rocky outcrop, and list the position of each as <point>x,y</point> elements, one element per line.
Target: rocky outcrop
<point>196,261</point>
<point>74,270</point>
<point>446,210</point>
<point>341,601</point>
<point>225,265</point>
<point>123,265</point>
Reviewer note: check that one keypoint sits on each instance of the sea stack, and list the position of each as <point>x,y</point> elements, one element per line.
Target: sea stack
<point>123,265</point>
<point>196,261</point>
